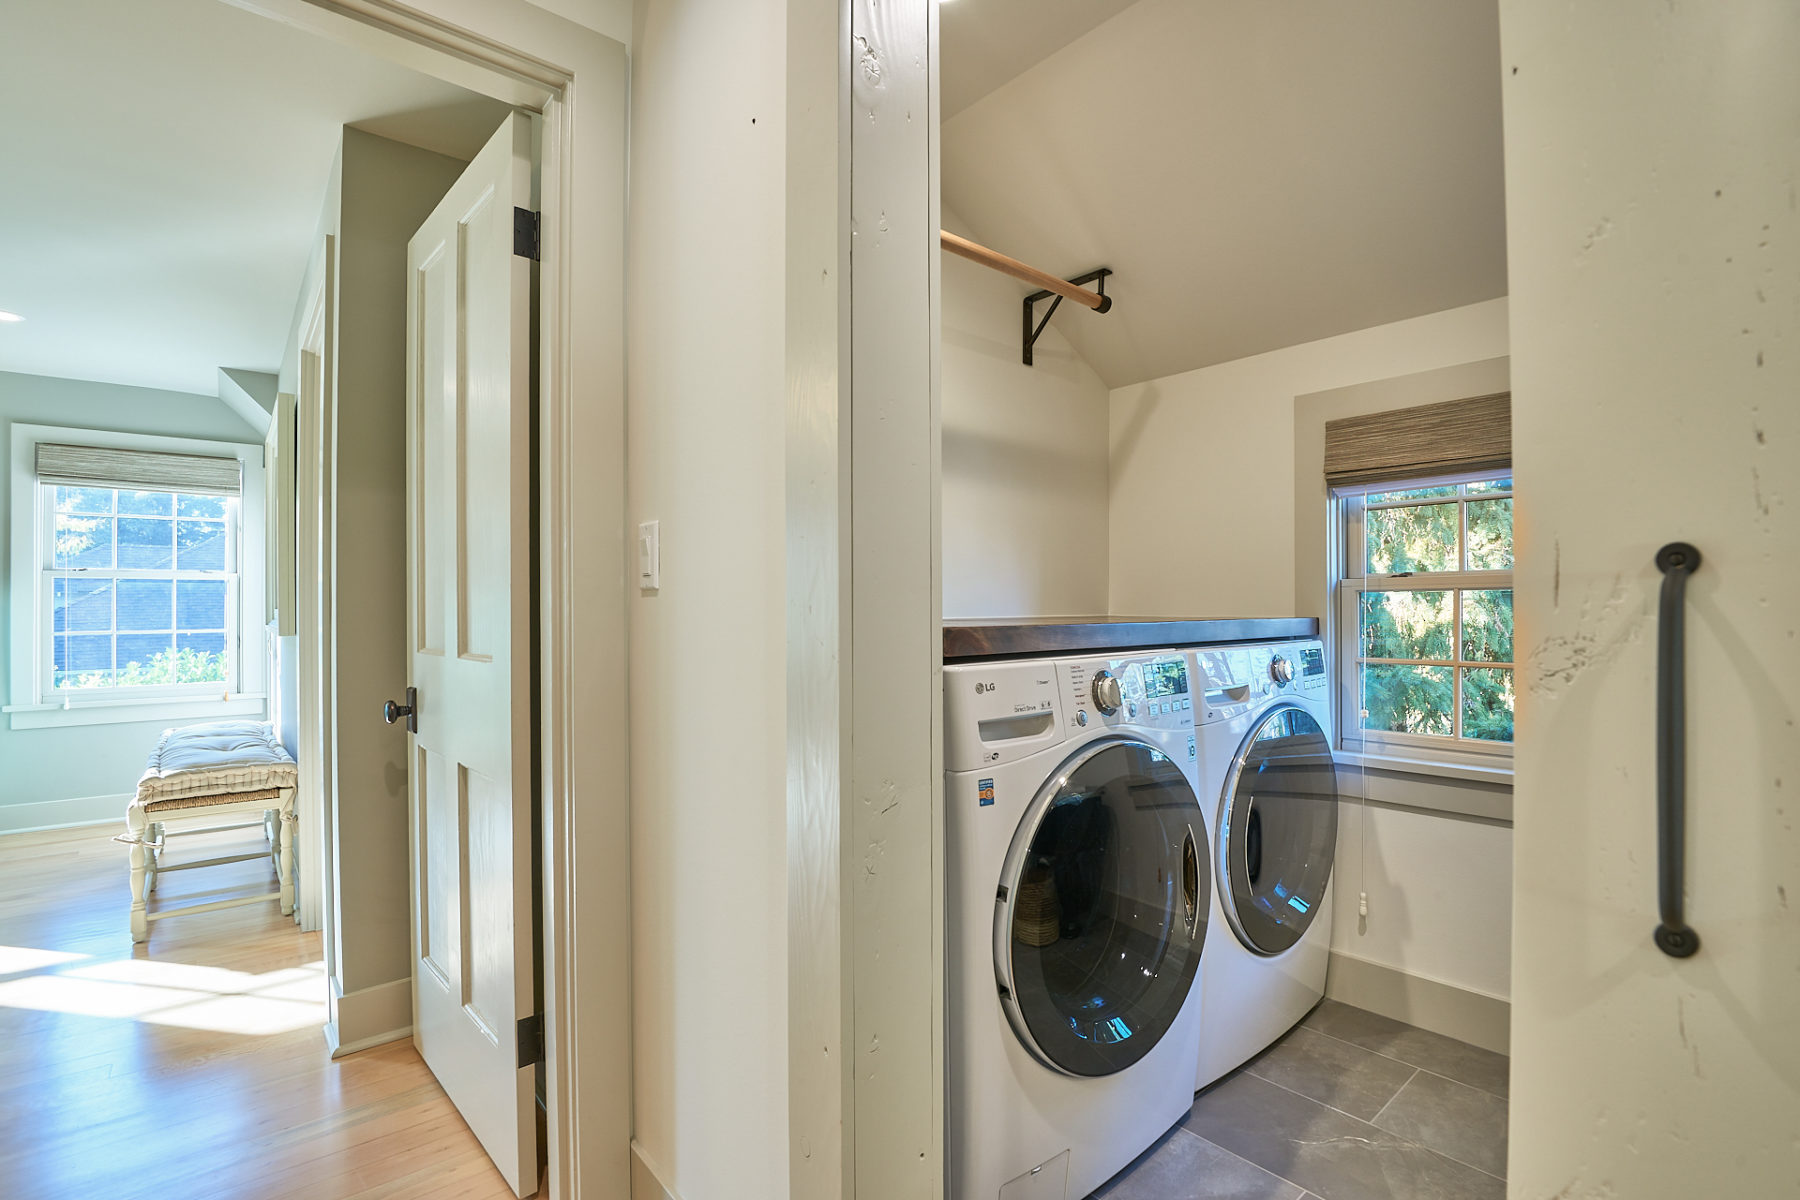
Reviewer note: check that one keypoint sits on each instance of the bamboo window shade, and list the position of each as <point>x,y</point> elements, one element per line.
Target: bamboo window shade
<point>1450,438</point>
<point>140,470</point>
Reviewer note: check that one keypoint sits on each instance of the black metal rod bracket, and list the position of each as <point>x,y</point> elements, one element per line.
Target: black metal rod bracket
<point>1034,328</point>
<point>1673,937</point>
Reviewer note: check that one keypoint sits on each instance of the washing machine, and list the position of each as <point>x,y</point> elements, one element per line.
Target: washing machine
<point>1269,786</point>
<point>1076,912</point>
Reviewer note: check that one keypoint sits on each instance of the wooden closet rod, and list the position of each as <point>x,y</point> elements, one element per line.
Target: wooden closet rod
<point>1018,270</point>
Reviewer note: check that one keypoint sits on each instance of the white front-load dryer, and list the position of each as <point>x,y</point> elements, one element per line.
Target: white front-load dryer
<point>1269,785</point>
<point>1077,906</point>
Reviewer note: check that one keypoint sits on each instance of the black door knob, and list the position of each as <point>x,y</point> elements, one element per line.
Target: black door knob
<point>410,710</point>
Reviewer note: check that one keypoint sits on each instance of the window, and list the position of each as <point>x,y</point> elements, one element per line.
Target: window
<point>1424,618</point>
<point>140,590</point>
<point>136,584</point>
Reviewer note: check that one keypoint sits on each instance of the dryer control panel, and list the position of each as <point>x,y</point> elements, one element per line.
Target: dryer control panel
<point>1152,690</point>
<point>1234,678</point>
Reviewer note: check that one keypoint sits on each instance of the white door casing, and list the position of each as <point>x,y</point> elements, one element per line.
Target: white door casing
<point>469,614</point>
<point>1654,257</point>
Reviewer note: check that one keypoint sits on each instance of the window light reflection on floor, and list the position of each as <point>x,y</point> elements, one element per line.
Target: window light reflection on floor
<point>164,993</point>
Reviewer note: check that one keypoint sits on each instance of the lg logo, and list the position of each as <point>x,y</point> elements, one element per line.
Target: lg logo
<point>982,688</point>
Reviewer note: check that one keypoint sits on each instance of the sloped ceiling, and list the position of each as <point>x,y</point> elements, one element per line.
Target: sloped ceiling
<point>985,43</point>
<point>1257,174</point>
<point>165,168</point>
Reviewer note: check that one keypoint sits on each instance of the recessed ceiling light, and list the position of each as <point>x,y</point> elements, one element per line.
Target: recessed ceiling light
<point>6,316</point>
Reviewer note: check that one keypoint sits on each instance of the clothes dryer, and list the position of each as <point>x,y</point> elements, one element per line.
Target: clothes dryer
<point>1077,907</point>
<point>1269,784</point>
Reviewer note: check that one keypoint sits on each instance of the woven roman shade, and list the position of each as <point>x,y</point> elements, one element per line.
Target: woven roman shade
<point>138,470</point>
<point>1450,438</point>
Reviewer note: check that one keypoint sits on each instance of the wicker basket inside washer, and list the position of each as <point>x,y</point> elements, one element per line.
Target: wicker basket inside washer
<point>1037,914</point>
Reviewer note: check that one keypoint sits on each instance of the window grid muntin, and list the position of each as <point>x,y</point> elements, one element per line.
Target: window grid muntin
<point>1357,581</point>
<point>228,574</point>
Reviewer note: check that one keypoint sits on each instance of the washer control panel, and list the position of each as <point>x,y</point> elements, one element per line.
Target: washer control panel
<point>1150,689</point>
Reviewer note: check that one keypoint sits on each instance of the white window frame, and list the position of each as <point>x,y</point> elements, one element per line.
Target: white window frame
<point>35,703</point>
<point>1349,582</point>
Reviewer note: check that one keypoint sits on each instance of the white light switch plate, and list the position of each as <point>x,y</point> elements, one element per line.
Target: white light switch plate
<point>649,555</point>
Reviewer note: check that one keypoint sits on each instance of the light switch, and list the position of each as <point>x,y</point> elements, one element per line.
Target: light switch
<point>650,555</point>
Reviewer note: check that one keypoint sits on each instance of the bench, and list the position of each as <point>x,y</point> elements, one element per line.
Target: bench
<point>222,769</point>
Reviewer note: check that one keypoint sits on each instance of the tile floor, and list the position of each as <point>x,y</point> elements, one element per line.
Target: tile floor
<point>1348,1106</point>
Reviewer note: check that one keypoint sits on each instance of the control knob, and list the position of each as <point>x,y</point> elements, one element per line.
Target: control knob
<point>1108,695</point>
<point>1281,670</point>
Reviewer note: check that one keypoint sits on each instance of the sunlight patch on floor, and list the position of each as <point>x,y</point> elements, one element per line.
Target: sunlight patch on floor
<point>172,993</point>
<point>17,959</point>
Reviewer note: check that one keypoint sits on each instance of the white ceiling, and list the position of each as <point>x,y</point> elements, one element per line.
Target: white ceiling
<point>1258,174</point>
<point>984,43</point>
<point>165,170</point>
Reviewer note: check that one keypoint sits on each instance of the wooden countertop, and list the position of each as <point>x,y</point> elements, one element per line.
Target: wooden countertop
<point>966,641</point>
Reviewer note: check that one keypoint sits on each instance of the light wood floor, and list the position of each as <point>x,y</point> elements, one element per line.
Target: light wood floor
<point>193,1066</point>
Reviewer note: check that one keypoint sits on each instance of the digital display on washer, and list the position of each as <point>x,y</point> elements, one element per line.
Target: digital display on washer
<point>1312,661</point>
<point>1165,679</point>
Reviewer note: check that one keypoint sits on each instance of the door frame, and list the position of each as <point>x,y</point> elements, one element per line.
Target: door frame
<point>576,79</point>
<point>313,526</point>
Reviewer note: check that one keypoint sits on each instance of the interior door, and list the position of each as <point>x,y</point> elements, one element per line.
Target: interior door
<point>1654,248</point>
<point>468,496</point>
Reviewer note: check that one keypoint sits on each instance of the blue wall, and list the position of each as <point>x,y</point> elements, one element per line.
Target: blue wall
<point>54,770</point>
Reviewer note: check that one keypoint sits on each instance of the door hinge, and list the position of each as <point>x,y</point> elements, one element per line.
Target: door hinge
<point>531,1040</point>
<point>525,233</point>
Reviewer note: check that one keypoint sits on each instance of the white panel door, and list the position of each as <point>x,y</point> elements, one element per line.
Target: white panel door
<point>1653,156</point>
<point>468,498</point>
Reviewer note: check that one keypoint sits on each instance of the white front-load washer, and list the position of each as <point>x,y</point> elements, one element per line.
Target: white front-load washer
<point>1077,906</point>
<point>1269,784</point>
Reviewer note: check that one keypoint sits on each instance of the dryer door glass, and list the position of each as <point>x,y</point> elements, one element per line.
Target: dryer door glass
<point>1278,830</point>
<point>1103,910</point>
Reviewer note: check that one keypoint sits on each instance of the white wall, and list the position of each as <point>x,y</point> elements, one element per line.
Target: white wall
<point>706,458</point>
<point>1202,495</point>
<point>1025,462</point>
<point>1205,522</point>
<point>54,770</point>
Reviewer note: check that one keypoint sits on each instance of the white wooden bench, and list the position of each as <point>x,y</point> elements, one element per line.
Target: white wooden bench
<point>223,769</point>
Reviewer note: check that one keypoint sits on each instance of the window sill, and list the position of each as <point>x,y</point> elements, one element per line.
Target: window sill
<point>116,712</point>
<point>1468,772</point>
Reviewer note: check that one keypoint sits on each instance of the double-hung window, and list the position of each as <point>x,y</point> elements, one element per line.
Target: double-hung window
<point>1424,618</point>
<point>136,562</point>
<point>139,591</point>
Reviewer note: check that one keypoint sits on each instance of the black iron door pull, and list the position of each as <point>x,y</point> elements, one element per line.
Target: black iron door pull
<point>410,710</point>
<point>1676,561</point>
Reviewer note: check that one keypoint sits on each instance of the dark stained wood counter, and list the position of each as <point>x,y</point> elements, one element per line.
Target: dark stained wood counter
<point>966,641</point>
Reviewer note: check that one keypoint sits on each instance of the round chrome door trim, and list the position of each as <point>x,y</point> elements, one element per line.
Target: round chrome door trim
<point>1222,836</point>
<point>1012,869</point>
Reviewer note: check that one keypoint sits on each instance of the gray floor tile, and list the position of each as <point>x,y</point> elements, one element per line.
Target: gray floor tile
<point>1333,1155</point>
<point>1429,1051</point>
<point>1465,1123</point>
<point>1333,1072</point>
<point>1185,1166</point>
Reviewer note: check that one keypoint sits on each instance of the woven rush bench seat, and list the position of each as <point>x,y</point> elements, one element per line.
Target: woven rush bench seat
<point>223,768</point>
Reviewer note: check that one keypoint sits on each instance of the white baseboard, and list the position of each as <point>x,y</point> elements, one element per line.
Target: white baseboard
<point>1469,1016</point>
<point>65,814</point>
<point>647,1178</point>
<point>368,1016</point>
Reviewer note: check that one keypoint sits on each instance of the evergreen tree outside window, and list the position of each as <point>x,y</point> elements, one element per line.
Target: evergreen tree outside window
<point>1424,618</point>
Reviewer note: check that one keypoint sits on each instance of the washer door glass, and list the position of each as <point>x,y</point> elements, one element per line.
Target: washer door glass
<point>1103,909</point>
<point>1278,830</point>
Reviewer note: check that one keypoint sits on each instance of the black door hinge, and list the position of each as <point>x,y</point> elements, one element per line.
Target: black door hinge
<point>525,233</point>
<point>531,1040</point>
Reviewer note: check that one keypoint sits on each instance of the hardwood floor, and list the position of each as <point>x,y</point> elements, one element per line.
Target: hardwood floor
<point>193,1065</point>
